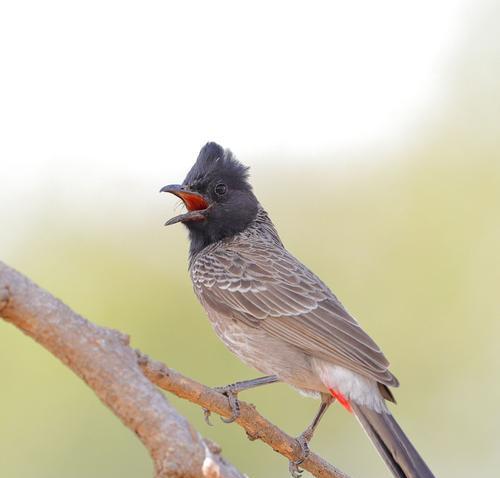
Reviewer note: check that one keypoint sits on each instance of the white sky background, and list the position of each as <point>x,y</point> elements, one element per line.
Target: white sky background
<point>96,91</point>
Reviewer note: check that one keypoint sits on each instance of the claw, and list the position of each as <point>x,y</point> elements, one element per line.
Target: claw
<point>294,469</point>
<point>231,392</point>
<point>206,416</point>
<point>232,398</point>
<point>293,466</point>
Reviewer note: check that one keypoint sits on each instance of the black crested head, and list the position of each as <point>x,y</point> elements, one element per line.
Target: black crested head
<point>223,181</point>
<point>214,160</point>
<point>218,197</point>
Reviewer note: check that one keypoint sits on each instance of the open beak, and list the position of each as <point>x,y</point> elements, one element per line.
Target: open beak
<point>195,203</point>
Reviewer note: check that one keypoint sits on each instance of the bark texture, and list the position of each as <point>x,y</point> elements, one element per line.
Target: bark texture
<point>123,379</point>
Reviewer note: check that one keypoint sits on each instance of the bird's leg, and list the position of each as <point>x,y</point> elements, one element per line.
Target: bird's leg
<point>304,438</point>
<point>231,392</point>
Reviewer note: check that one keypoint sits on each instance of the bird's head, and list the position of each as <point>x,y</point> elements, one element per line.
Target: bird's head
<point>217,195</point>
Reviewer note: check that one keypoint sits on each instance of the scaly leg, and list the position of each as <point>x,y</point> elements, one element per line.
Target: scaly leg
<point>304,439</point>
<point>231,392</point>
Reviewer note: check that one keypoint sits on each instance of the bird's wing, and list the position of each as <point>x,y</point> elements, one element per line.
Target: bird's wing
<point>265,286</point>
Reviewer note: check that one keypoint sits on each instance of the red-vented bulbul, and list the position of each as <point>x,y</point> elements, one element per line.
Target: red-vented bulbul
<point>278,316</point>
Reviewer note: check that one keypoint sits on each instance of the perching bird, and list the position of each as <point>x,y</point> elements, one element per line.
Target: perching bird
<point>279,317</point>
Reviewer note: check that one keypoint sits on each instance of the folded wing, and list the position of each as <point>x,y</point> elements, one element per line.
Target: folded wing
<point>267,287</point>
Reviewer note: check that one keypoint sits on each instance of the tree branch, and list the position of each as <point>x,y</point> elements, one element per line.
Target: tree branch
<point>255,425</point>
<point>103,359</point>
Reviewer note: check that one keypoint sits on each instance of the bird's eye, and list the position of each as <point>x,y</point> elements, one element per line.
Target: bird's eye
<point>220,189</point>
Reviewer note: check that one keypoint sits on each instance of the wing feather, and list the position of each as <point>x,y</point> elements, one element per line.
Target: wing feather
<point>267,287</point>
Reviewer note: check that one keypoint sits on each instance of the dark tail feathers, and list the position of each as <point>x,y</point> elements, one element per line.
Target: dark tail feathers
<point>392,444</point>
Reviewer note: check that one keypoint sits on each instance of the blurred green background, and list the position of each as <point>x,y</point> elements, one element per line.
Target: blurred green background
<point>406,234</point>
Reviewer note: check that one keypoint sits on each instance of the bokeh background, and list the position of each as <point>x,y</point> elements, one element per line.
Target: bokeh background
<point>372,130</point>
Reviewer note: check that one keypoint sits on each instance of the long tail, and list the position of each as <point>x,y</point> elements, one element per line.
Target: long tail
<point>392,444</point>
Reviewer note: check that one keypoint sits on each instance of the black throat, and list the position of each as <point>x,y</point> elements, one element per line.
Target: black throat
<point>223,223</point>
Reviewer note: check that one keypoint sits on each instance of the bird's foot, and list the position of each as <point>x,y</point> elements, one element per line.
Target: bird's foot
<point>293,466</point>
<point>231,392</point>
<point>232,396</point>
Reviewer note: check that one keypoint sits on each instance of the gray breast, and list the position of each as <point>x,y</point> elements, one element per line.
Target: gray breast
<point>269,355</point>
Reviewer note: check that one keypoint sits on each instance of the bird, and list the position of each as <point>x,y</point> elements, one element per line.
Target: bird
<point>277,316</point>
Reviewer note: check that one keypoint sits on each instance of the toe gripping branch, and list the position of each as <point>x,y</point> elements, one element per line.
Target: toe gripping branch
<point>293,466</point>
<point>231,392</point>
